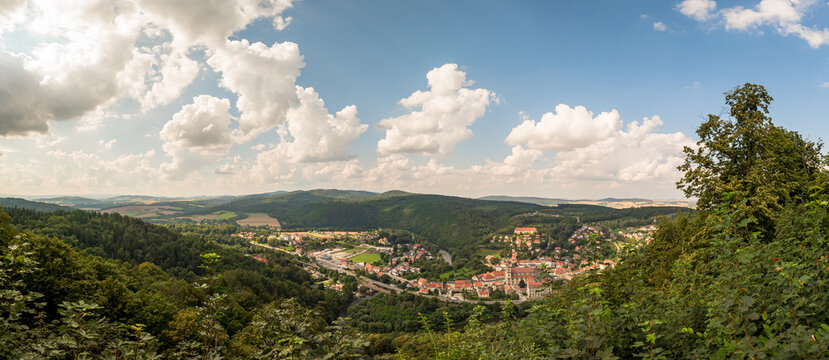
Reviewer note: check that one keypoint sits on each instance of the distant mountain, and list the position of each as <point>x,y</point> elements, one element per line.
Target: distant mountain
<point>30,205</point>
<point>71,201</point>
<point>527,199</point>
<point>266,203</point>
<point>610,199</point>
<point>616,203</point>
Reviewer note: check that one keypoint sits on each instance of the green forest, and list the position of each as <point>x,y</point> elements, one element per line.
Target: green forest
<point>744,276</point>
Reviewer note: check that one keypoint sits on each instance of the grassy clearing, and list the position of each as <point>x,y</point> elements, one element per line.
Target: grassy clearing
<point>368,258</point>
<point>224,215</point>
<point>259,219</point>
<point>487,252</point>
<point>463,273</point>
<point>287,248</point>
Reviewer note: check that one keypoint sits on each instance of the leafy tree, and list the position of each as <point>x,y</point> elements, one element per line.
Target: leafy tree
<point>768,165</point>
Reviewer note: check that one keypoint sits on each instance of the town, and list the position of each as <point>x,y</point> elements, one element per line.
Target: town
<point>528,270</point>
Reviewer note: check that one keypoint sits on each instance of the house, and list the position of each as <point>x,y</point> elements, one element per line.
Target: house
<point>260,259</point>
<point>525,230</point>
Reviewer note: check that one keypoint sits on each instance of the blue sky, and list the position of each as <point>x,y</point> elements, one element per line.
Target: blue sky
<point>145,97</point>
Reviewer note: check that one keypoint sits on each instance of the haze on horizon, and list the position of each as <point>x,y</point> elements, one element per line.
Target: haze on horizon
<point>468,98</point>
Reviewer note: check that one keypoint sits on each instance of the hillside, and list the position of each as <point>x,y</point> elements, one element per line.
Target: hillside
<point>31,205</point>
<point>616,203</point>
<point>526,199</point>
<point>450,222</point>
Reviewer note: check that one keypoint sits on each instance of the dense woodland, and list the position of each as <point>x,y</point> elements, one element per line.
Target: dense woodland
<point>746,275</point>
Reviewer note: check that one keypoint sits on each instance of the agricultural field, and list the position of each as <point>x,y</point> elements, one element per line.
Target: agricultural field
<point>143,211</point>
<point>259,219</point>
<point>218,215</point>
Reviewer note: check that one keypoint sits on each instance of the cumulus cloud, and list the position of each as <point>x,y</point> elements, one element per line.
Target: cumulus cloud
<point>697,9</point>
<point>445,113</point>
<point>634,154</point>
<point>175,72</point>
<point>311,135</point>
<point>210,21</point>
<point>22,109</point>
<point>94,45</point>
<point>786,16</point>
<point>197,135</point>
<point>766,12</point>
<point>201,125</point>
<point>566,128</point>
<point>520,161</point>
<point>127,49</point>
<point>316,135</point>
<point>264,78</point>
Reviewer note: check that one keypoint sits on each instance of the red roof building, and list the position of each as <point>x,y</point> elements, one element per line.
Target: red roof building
<point>525,230</point>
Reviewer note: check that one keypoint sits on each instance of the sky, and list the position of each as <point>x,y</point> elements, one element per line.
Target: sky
<point>469,98</point>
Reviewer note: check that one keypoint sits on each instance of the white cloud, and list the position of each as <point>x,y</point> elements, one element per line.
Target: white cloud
<point>446,112</point>
<point>635,154</point>
<point>784,15</point>
<point>264,78</point>
<point>814,37</point>
<point>22,106</point>
<point>766,12</point>
<point>80,172</point>
<point>176,71</point>
<point>197,135</point>
<point>825,84</point>
<point>106,145</point>
<point>280,23</point>
<point>697,9</point>
<point>311,135</point>
<point>519,162</point>
<point>660,26</point>
<point>210,21</point>
<point>566,128</point>
<point>127,49</point>
<point>317,136</point>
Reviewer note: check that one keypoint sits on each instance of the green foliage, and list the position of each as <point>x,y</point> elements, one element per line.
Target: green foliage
<point>30,205</point>
<point>59,302</point>
<point>768,165</point>
<point>286,330</point>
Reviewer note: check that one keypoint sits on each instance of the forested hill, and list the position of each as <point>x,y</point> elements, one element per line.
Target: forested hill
<point>450,222</point>
<point>31,205</point>
<point>136,242</point>
<point>102,286</point>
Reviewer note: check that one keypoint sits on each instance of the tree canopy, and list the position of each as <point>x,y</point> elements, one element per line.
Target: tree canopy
<point>769,166</point>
